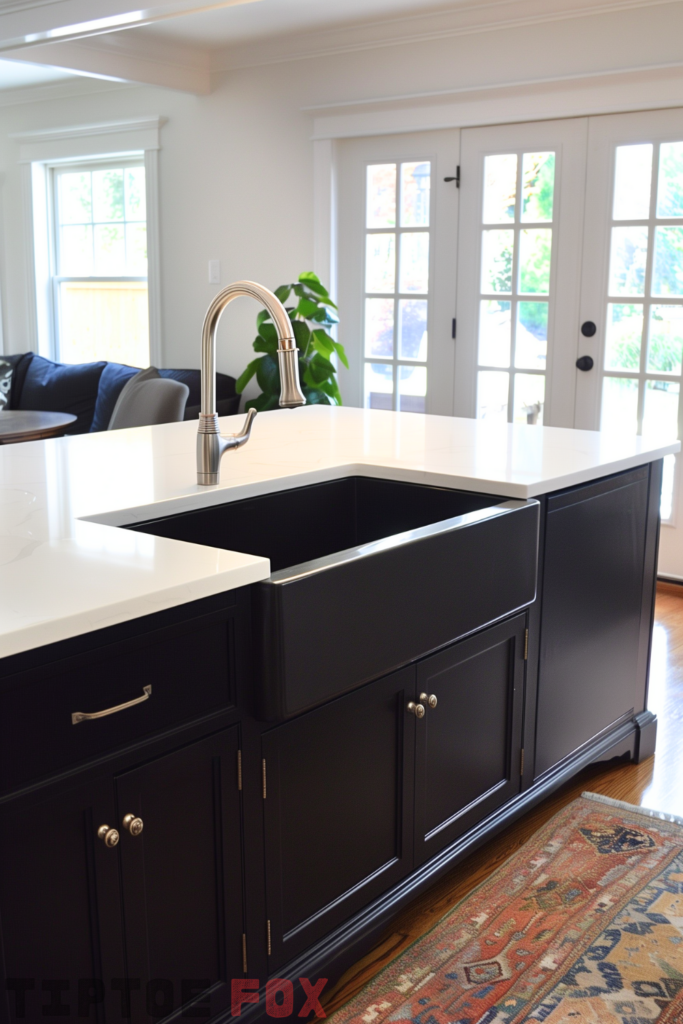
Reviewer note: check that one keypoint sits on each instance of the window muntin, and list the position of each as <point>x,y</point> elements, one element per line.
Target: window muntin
<point>642,366</point>
<point>397,275</point>
<point>517,229</point>
<point>100,288</point>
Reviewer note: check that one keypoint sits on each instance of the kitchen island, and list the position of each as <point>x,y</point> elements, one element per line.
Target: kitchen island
<point>307,744</point>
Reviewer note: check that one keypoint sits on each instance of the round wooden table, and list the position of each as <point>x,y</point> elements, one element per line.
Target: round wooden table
<point>29,425</point>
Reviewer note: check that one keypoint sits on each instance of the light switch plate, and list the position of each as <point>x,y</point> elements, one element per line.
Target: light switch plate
<point>214,271</point>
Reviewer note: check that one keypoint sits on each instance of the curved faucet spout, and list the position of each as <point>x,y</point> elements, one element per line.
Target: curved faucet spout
<point>210,444</point>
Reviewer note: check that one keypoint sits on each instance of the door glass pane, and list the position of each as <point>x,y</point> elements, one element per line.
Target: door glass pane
<point>120,311</point>
<point>381,196</point>
<point>492,395</point>
<point>495,333</point>
<point>670,184</point>
<point>380,263</point>
<point>107,195</point>
<point>660,415</point>
<point>415,191</point>
<point>628,256</point>
<point>624,336</point>
<point>619,405</point>
<point>379,327</point>
<point>496,261</point>
<point>529,398</point>
<point>667,275</point>
<point>414,262</point>
<point>632,177</point>
<point>666,339</point>
<point>534,260</point>
<point>412,388</point>
<point>379,386</point>
<point>531,341</point>
<point>75,198</point>
<point>538,183</point>
<point>500,188</point>
<point>412,329</point>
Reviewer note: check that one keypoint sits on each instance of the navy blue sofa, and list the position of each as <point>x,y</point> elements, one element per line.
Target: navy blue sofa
<point>89,390</point>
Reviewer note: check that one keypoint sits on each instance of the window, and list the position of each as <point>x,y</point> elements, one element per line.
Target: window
<point>396,294</point>
<point>515,286</point>
<point>99,288</point>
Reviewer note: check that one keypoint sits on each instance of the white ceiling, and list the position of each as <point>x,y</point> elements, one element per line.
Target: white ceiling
<point>15,74</point>
<point>260,19</point>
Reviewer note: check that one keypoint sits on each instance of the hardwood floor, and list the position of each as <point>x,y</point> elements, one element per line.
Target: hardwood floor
<point>656,783</point>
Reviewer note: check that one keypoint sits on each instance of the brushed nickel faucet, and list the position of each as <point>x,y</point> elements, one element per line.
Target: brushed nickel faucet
<point>210,443</point>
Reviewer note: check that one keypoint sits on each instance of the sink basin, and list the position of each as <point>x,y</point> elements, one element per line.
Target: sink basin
<point>367,575</point>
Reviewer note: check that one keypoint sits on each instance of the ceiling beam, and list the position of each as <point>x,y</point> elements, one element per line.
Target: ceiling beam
<point>37,22</point>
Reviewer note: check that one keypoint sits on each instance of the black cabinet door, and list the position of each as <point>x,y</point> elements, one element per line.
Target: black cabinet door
<point>468,747</point>
<point>338,811</point>
<point>59,906</point>
<point>182,878</point>
<point>591,614</point>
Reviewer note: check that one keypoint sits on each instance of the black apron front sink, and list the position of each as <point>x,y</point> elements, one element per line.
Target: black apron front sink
<point>367,575</point>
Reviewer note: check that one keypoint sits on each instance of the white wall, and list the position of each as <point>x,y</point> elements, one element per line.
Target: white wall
<point>236,166</point>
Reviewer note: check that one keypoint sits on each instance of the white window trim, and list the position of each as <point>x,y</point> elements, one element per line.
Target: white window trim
<point>41,150</point>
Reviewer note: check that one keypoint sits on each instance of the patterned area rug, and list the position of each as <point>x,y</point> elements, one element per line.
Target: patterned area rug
<point>583,925</point>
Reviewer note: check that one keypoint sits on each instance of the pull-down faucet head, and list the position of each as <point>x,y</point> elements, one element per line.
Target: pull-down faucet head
<point>210,443</point>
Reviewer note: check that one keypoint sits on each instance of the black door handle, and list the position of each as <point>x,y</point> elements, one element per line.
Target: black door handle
<point>584,363</point>
<point>588,329</point>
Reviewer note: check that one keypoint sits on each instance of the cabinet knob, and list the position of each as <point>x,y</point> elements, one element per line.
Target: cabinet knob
<point>134,824</point>
<point>416,709</point>
<point>429,698</point>
<point>109,836</point>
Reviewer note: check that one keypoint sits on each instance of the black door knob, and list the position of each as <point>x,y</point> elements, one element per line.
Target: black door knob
<point>588,329</point>
<point>584,363</point>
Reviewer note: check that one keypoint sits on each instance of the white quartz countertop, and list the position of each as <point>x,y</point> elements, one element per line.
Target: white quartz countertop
<point>66,568</point>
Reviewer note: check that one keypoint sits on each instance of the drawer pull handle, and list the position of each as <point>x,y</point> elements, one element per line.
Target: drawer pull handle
<point>429,698</point>
<point>416,709</point>
<point>84,716</point>
<point>109,836</point>
<point>134,824</point>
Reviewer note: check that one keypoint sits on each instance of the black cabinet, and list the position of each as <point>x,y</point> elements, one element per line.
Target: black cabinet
<point>468,747</point>
<point>338,808</point>
<point>600,542</point>
<point>182,876</point>
<point>156,918</point>
<point>59,904</point>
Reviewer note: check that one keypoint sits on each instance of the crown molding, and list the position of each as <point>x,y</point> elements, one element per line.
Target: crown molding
<point>631,89</point>
<point>59,91</point>
<point>465,19</point>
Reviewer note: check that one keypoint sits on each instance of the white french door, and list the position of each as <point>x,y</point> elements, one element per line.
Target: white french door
<point>396,288</point>
<point>631,313</point>
<point>519,256</point>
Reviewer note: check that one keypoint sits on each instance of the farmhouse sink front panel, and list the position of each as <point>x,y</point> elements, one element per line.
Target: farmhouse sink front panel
<point>368,575</point>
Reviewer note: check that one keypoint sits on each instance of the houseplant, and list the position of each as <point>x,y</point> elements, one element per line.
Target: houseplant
<point>311,317</point>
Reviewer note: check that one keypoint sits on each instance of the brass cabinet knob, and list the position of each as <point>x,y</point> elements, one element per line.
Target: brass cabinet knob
<point>134,824</point>
<point>416,709</point>
<point>109,836</point>
<point>429,698</point>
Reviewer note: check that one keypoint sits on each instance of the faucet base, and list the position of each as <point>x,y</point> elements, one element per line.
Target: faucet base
<point>207,479</point>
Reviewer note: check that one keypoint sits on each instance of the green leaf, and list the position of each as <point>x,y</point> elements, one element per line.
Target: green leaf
<point>314,396</point>
<point>268,375</point>
<point>262,403</point>
<point>324,316</point>
<point>323,343</point>
<point>307,276</point>
<point>339,349</point>
<point>307,308</point>
<point>302,334</point>
<point>268,333</point>
<point>244,379</point>
<point>262,317</point>
<point>264,345</point>
<point>282,293</point>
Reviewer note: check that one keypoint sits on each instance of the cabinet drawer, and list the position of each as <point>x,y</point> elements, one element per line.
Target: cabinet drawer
<point>189,667</point>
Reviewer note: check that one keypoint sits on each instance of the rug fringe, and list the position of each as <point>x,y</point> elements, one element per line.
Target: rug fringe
<point>645,811</point>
